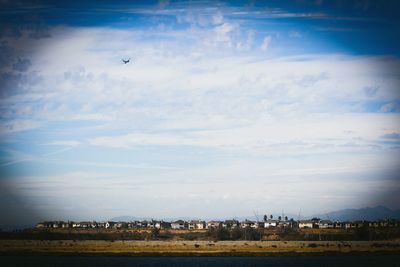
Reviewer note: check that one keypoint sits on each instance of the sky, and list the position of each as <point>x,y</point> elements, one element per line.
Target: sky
<point>226,108</point>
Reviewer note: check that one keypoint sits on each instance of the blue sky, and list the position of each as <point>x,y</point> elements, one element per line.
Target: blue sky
<point>225,108</point>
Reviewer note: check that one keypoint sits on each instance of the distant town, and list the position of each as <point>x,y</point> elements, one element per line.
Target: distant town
<point>264,228</point>
<point>266,223</point>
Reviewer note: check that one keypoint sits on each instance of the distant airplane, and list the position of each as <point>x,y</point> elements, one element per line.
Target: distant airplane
<point>126,61</point>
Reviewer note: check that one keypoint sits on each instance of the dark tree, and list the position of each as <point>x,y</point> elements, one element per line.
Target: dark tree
<point>252,234</point>
<point>155,232</point>
<point>236,233</point>
<point>222,234</point>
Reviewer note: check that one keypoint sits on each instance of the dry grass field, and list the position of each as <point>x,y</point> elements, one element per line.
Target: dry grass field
<point>98,247</point>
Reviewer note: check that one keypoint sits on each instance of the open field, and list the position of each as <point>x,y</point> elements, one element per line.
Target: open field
<point>167,248</point>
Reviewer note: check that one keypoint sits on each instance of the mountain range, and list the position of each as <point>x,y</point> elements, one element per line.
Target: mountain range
<point>368,213</point>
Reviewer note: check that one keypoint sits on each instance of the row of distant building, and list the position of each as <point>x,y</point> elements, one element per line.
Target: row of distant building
<point>228,224</point>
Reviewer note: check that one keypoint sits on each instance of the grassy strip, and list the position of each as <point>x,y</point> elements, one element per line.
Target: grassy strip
<point>195,248</point>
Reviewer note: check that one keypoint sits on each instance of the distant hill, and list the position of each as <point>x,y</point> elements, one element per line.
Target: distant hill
<point>375,213</point>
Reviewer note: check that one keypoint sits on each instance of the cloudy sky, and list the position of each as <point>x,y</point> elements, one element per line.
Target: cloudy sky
<point>225,109</point>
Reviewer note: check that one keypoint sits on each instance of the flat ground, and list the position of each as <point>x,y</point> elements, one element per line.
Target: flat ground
<point>100,247</point>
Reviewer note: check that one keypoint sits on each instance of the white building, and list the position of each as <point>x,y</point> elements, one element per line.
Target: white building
<point>325,224</point>
<point>270,223</point>
<point>306,224</point>
<point>248,223</point>
<point>197,224</point>
<point>230,224</point>
<point>213,224</point>
<point>179,224</point>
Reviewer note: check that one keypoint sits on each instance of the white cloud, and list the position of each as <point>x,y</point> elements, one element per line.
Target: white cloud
<point>172,86</point>
<point>218,18</point>
<point>233,189</point>
<point>18,126</point>
<point>223,33</point>
<point>265,43</point>
<point>276,120</point>
<point>292,136</point>
<point>247,44</point>
<point>64,143</point>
